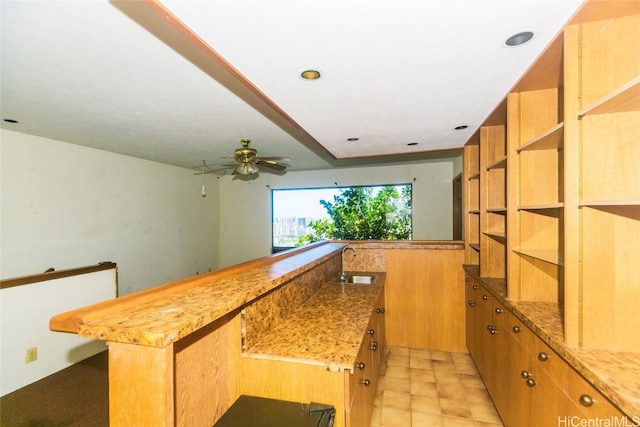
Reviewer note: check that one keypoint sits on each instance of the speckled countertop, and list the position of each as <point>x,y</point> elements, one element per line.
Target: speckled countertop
<point>327,330</point>
<point>615,374</point>
<point>197,301</point>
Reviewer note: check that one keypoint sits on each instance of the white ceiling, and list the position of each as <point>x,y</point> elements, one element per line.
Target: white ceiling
<point>118,76</point>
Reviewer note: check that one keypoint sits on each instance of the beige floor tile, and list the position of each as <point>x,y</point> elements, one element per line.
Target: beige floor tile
<point>420,353</point>
<point>398,384</point>
<point>426,404</point>
<point>423,375</point>
<point>419,419</point>
<point>404,351</point>
<point>484,412</point>
<point>395,417</point>
<point>445,377</point>
<point>471,380</point>
<point>451,391</point>
<point>398,360</point>
<point>397,372</point>
<point>424,388</point>
<point>443,365</point>
<point>477,395</point>
<point>457,422</point>
<point>396,399</point>
<point>440,355</point>
<point>418,363</point>
<point>466,368</point>
<point>455,408</point>
<point>431,388</point>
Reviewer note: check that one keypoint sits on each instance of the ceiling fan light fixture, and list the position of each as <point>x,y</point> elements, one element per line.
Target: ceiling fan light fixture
<point>247,169</point>
<point>310,75</point>
<point>519,39</point>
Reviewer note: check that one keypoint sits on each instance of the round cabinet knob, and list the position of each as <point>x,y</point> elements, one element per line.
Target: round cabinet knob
<point>525,374</point>
<point>475,287</point>
<point>531,382</point>
<point>493,331</point>
<point>586,400</point>
<point>471,303</point>
<point>380,310</point>
<point>365,382</point>
<point>498,310</point>
<point>371,332</point>
<point>374,345</point>
<point>484,297</point>
<point>360,365</point>
<point>516,329</point>
<point>489,328</point>
<point>543,357</point>
<point>466,279</point>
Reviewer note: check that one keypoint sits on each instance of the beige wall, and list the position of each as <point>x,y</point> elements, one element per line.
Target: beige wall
<point>67,206</point>
<point>245,207</point>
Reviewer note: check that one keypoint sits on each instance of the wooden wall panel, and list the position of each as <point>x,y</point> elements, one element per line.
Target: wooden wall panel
<point>425,299</point>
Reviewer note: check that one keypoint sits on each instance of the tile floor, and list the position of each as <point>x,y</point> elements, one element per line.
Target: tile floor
<point>429,388</point>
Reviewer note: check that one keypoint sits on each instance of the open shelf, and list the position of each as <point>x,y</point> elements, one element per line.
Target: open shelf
<point>600,203</point>
<point>548,256</point>
<point>498,164</point>
<point>550,140</point>
<point>541,207</point>
<point>625,98</point>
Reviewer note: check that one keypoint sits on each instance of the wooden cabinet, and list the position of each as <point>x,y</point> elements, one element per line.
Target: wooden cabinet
<point>552,190</point>
<point>362,383</point>
<point>529,383</point>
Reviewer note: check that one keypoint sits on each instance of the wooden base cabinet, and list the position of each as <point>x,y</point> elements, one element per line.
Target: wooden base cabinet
<point>529,383</point>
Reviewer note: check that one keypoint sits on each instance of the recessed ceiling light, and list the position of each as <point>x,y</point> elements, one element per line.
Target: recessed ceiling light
<point>10,121</point>
<point>461,127</point>
<point>412,143</point>
<point>519,39</point>
<point>353,139</point>
<point>310,75</point>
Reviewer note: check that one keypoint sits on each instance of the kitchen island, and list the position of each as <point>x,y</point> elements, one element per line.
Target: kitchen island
<point>182,353</point>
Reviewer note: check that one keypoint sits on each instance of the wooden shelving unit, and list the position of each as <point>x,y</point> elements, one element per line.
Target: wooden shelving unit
<point>555,173</point>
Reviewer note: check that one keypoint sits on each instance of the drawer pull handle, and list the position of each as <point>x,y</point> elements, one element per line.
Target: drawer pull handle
<point>374,346</point>
<point>365,382</point>
<point>516,329</point>
<point>360,365</point>
<point>586,400</point>
<point>471,303</point>
<point>371,332</point>
<point>531,382</point>
<point>498,310</point>
<point>484,297</point>
<point>543,357</point>
<point>475,287</point>
<point>380,310</point>
<point>525,374</point>
<point>493,331</point>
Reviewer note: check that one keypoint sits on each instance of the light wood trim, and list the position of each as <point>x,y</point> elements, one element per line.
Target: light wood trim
<point>498,164</point>
<point>609,203</point>
<point>53,274</point>
<point>140,386</point>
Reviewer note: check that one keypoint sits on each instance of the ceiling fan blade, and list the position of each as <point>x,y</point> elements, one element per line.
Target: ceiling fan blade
<point>271,164</point>
<point>277,159</point>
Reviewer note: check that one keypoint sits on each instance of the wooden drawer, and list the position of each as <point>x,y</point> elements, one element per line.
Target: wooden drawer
<point>551,363</point>
<point>519,331</point>
<point>581,392</point>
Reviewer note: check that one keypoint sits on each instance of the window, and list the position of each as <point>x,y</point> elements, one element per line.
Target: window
<point>303,216</point>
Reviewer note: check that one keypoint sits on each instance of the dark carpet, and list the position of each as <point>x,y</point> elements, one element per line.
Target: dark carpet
<point>76,396</point>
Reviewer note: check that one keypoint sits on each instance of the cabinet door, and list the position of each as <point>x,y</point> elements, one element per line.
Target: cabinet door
<point>472,317</point>
<point>359,404</point>
<point>517,410</point>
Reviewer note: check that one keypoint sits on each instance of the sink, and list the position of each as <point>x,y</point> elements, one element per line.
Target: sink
<point>361,279</point>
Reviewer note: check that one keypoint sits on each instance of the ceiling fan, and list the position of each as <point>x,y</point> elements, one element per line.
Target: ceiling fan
<point>249,162</point>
